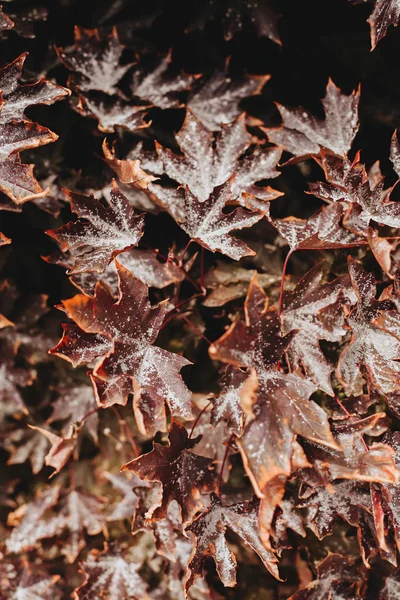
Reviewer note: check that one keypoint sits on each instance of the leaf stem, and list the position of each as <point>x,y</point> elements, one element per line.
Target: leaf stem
<point>282,288</point>
<point>198,418</point>
<point>221,473</point>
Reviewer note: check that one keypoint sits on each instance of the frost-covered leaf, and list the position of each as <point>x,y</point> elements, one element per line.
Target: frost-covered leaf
<point>210,528</point>
<point>208,160</point>
<point>160,86</point>
<point>206,223</point>
<point>373,351</point>
<point>111,575</point>
<point>315,310</point>
<point>385,13</point>
<point>102,231</point>
<point>73,403</point>
<point>303,134</point>
<point>228,281</point>
<point>22,582</point>
<point>26,444</point>
<point>33,527</point>
<point>340,499</point>
<point>183,473</point>
<point>338,577</point>
<point>143,264</point>
<point>17,133</point>
<point>238,388</point>
<point>322,231</point>
<point>95,61</point>
<point>111,111</point>
<point>282,409</point>
<point>61,448</point>
<point>353,459</point>
<point>131,326</point>
<point>216,102</point>
<point>349,182</point>
<point>17,97</point>
<point>126,485</point>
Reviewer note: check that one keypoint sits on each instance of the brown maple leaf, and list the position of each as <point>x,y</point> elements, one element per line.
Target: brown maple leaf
<point>385,13</point>
<point>61,447</point>
<point>103,230</point>
<point>373,350</point>
<point>216,100</point>
<point>303,134</point>
<point>315,310</point>
<point>33,527</point>
<point>238,390</point>
<point>210,528</point>
<point>111,575</point>
<point>95,61</point>
<point>341,498</point>
<point>73,403</point>
<point>207,224</point>
<point>338,577</point>
<point>322,231</point>
<point>31,582</point>
<point>282,409</point>
<point>130,325</point>
<point>25,444</point>
<point>161,85</point>
<point>182,473</point>
<point>17,133</point>
<point>208,161</point>
<point>349,182</point>
<point>353,459</point>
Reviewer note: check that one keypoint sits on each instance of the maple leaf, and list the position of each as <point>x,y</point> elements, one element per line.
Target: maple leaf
<point>95,61</point>
<point>326,503</point>
<point>207,224</point>
<point>338,577</point>
<point>228,282</point>
<point>33,527</point>
<point>391,586</point>
<point>164,530</point>
<point>125,484</point>
<point>80,348</point>
<point>17,133</point>
<point>160,86</point>
<point>111,111</point>
<point>303,134</point>
<point>17,97</point>
<point>385,13</point>
<point>216,102</point>
<point>25,444</point>
<point>209,160</point>
<point>5,21</point>
<point>103,230</point>
<point>111,575</point>
<point>61,448</point>
<point>353,459</point>
<point>391,492</point>
<point>131,326</point>
<point>371,348</point>
<point>210,528</point>
<point>321,231</point>
<point>315,310</point>
<point>182,473</point>
<point>368,200</point>
<point>76,512</point>
<point>23,582</point>
<point>73,403</point>
<point>143,264</point>
<point>282,409</point>
<point>237,388</point>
